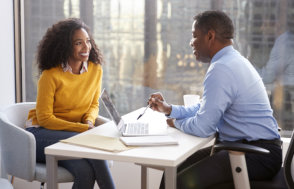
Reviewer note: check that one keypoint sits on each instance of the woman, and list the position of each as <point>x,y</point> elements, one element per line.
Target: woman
<point>67,101</point>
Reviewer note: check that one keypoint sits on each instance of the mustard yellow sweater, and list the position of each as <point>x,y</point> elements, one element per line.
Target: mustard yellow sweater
<point>66,100</point>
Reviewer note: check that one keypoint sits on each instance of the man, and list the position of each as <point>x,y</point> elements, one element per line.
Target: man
<point>278,73</point>
<point>234,104</point>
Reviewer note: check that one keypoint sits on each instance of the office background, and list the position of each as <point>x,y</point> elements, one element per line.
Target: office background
<point>145,44</point>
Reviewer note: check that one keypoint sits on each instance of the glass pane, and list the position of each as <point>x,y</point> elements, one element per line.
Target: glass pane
<point>145,44</point>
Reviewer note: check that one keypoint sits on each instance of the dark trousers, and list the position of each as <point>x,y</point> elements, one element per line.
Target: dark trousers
<point>85,171</point>
<point>203,171</point>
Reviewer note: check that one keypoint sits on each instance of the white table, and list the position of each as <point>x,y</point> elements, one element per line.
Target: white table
<point>165,157</point>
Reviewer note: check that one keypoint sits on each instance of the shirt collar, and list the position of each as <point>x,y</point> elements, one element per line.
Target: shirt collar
<point>221,52</point>
<point>66,67</point>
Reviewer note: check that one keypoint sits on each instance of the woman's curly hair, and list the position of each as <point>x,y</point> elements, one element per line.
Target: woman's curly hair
<point>56,46</point>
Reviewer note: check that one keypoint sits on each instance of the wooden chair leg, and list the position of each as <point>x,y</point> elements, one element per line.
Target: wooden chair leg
<point>239,170</point>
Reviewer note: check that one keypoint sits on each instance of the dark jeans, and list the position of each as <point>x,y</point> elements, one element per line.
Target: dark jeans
<point>85,171</point>
<point>203,171</point>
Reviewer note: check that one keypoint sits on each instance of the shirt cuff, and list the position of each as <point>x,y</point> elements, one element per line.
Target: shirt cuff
<point>175,112</point>
<point>177,124</point>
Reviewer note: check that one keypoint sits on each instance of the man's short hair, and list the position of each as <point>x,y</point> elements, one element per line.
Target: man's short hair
<point>217,21</point>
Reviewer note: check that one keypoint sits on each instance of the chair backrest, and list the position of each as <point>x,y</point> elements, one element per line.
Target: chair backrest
<point>18,145</point>
<point>288,163</point>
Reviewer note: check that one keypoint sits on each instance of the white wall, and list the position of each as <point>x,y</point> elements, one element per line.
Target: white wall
<point>7,79</point>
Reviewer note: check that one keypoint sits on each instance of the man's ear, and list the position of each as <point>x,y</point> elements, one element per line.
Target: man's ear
<point>211,37</point>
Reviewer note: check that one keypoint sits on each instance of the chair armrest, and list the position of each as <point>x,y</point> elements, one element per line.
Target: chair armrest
<point>101,120</point>
<point>240,147</point>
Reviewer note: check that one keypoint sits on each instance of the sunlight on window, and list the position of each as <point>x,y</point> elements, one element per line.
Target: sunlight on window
<point>71,8</point>
<point>146,48</point>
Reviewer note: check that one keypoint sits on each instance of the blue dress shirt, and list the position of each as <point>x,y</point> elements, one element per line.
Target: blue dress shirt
<point>234,102</point>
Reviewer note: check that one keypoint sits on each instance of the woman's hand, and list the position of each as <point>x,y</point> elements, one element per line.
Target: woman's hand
<point>158,103</point>
<point>91,126</point>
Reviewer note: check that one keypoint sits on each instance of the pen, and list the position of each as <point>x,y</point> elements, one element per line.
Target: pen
<point>143,112</point>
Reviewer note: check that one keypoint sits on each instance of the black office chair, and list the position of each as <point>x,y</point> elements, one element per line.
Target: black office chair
<point>283,179</point>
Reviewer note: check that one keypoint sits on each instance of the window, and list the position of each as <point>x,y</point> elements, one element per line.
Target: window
<point>145,44</point>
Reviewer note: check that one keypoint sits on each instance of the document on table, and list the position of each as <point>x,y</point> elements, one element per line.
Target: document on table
<point>149,140</point>
<point>99,142</point>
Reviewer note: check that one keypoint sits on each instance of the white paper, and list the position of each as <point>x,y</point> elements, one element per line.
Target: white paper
<point>149,140</point>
